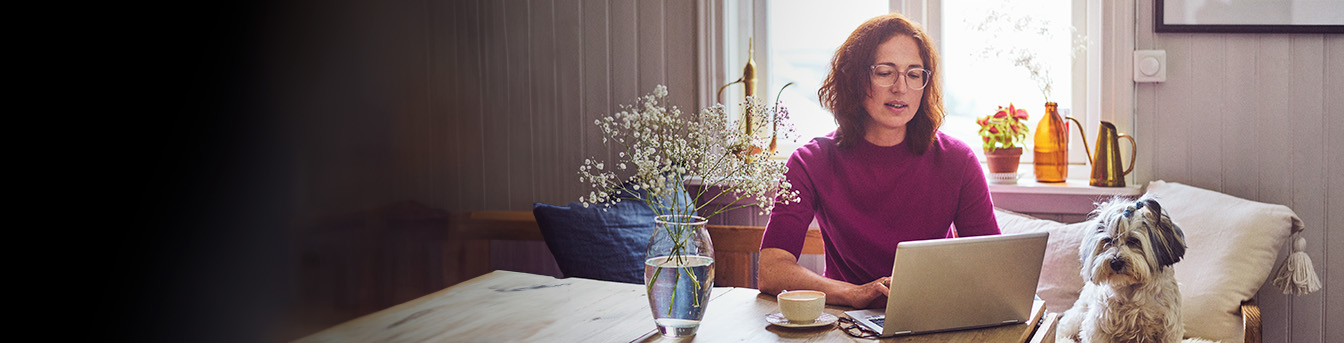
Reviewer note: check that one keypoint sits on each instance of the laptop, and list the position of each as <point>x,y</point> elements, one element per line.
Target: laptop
<point>959,283</point>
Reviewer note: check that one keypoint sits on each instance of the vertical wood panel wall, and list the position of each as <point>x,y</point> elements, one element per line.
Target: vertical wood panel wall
<point>457,105</point>
<point>528,78</point>
<point>1256,116</point>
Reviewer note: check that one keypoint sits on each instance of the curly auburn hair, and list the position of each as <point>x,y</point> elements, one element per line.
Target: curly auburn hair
<point>848,83</point>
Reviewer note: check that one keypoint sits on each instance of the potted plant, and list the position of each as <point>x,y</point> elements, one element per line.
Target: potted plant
<point>1004,133</point>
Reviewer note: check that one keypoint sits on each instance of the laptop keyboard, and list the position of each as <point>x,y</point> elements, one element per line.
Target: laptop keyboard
<point>878,320</point>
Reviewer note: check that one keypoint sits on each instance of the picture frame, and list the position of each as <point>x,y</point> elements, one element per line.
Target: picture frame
<point>1293,16</point>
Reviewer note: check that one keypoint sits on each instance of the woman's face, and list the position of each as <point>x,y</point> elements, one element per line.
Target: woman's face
<point>891,107</point>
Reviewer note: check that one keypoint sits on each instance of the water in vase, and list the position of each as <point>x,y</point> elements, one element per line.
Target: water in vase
<point>680,292</point>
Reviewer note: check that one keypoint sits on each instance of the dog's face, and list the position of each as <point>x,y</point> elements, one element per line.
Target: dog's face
<point>1131,241</point>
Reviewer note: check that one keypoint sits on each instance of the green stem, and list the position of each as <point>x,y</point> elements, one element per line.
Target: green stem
<point>656,270</point>
<point>695,282</point>
<point>675,282</point>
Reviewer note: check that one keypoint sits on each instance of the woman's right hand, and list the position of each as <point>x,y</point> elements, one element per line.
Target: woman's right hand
<point>779,271</point>
<point>868,295</point>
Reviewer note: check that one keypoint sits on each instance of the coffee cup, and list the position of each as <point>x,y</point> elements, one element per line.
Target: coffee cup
<point>801,306</point>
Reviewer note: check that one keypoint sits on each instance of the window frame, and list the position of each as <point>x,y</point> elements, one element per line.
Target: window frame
<point>726,26</point>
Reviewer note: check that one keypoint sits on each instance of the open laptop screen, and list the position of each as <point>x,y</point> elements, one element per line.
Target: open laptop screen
<point>960,283</point>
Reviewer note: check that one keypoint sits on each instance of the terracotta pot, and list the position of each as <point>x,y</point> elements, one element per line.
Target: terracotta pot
<point>1003,160</point>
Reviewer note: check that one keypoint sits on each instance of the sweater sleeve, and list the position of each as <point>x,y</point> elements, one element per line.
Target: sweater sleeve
<point>787,228</point>
<point>975,209</point>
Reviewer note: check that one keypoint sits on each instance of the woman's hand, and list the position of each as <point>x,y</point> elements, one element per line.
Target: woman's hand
<point>868,295</point>
<point>779,271</point>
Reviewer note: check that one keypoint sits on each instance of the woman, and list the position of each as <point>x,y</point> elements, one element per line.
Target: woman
<point>886,175</point>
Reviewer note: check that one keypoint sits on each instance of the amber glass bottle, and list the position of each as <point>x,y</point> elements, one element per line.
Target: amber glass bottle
<point>1052,146</point>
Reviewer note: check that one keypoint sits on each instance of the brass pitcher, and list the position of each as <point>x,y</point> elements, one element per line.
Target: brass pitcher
<point>1106,168</point>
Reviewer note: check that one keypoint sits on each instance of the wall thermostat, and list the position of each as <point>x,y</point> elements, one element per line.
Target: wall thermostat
<point>1150,66</point>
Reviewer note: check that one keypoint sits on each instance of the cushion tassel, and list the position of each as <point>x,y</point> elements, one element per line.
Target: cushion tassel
<point>1297,276</point>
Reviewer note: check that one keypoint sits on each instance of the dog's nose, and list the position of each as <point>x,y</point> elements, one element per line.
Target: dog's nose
<point>1117,264</point>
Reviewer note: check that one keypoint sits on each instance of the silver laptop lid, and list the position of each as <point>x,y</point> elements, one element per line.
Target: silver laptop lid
<point>963,283</point>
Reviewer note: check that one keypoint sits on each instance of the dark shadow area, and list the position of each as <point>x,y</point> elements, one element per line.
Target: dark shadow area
<point>191,234</point>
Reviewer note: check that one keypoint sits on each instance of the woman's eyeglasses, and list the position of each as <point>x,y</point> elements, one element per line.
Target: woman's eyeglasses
<point>886,75</point>
<point>852,328</point>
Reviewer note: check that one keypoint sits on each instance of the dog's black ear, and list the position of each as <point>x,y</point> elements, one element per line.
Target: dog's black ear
<point>1166,239</point>
<point>1152,205</point>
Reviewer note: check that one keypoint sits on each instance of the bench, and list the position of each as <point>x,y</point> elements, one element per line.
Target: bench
<point>735,246</point>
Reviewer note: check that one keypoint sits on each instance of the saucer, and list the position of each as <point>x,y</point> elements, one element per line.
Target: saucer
<point>778,319</point>
<point>1003,178</point>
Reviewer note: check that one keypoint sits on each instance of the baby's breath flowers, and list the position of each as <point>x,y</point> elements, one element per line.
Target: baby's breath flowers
<point>660,149</point>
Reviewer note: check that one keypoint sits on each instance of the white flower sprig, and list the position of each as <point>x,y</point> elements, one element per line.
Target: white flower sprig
<point>1007,34</point>
<point>661,149</point>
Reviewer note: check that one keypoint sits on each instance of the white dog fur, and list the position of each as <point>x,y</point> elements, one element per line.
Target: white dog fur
<point>1130,292</point>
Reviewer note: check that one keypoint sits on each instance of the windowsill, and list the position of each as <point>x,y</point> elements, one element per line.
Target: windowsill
<point>1073,197</point>
<point>1068,187</point>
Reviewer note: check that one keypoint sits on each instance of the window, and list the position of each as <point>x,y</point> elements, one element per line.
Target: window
<point>797,38</point>
<point>803,36</point>
<point>986,47</point>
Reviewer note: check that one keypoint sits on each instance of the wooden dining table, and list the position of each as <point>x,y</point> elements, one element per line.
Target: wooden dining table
<point>505,306</point>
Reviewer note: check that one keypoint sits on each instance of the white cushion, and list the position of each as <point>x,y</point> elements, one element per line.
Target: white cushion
<point>1232,246</point>
<point>1061,277</point>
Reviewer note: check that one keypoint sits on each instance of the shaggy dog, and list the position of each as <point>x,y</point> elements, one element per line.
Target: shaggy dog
<point>1130,292</point>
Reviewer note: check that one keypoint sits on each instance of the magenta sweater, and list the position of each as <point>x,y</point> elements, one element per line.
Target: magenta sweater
<point>868,198</point>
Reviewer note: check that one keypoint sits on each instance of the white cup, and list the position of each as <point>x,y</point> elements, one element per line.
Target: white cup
<point>801,306</point>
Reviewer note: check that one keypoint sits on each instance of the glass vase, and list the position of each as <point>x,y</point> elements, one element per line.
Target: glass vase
<point>1051,150</point>
<point>679,273</point>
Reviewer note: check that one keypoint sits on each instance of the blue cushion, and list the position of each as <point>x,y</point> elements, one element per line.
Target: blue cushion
<point>595,244</point>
